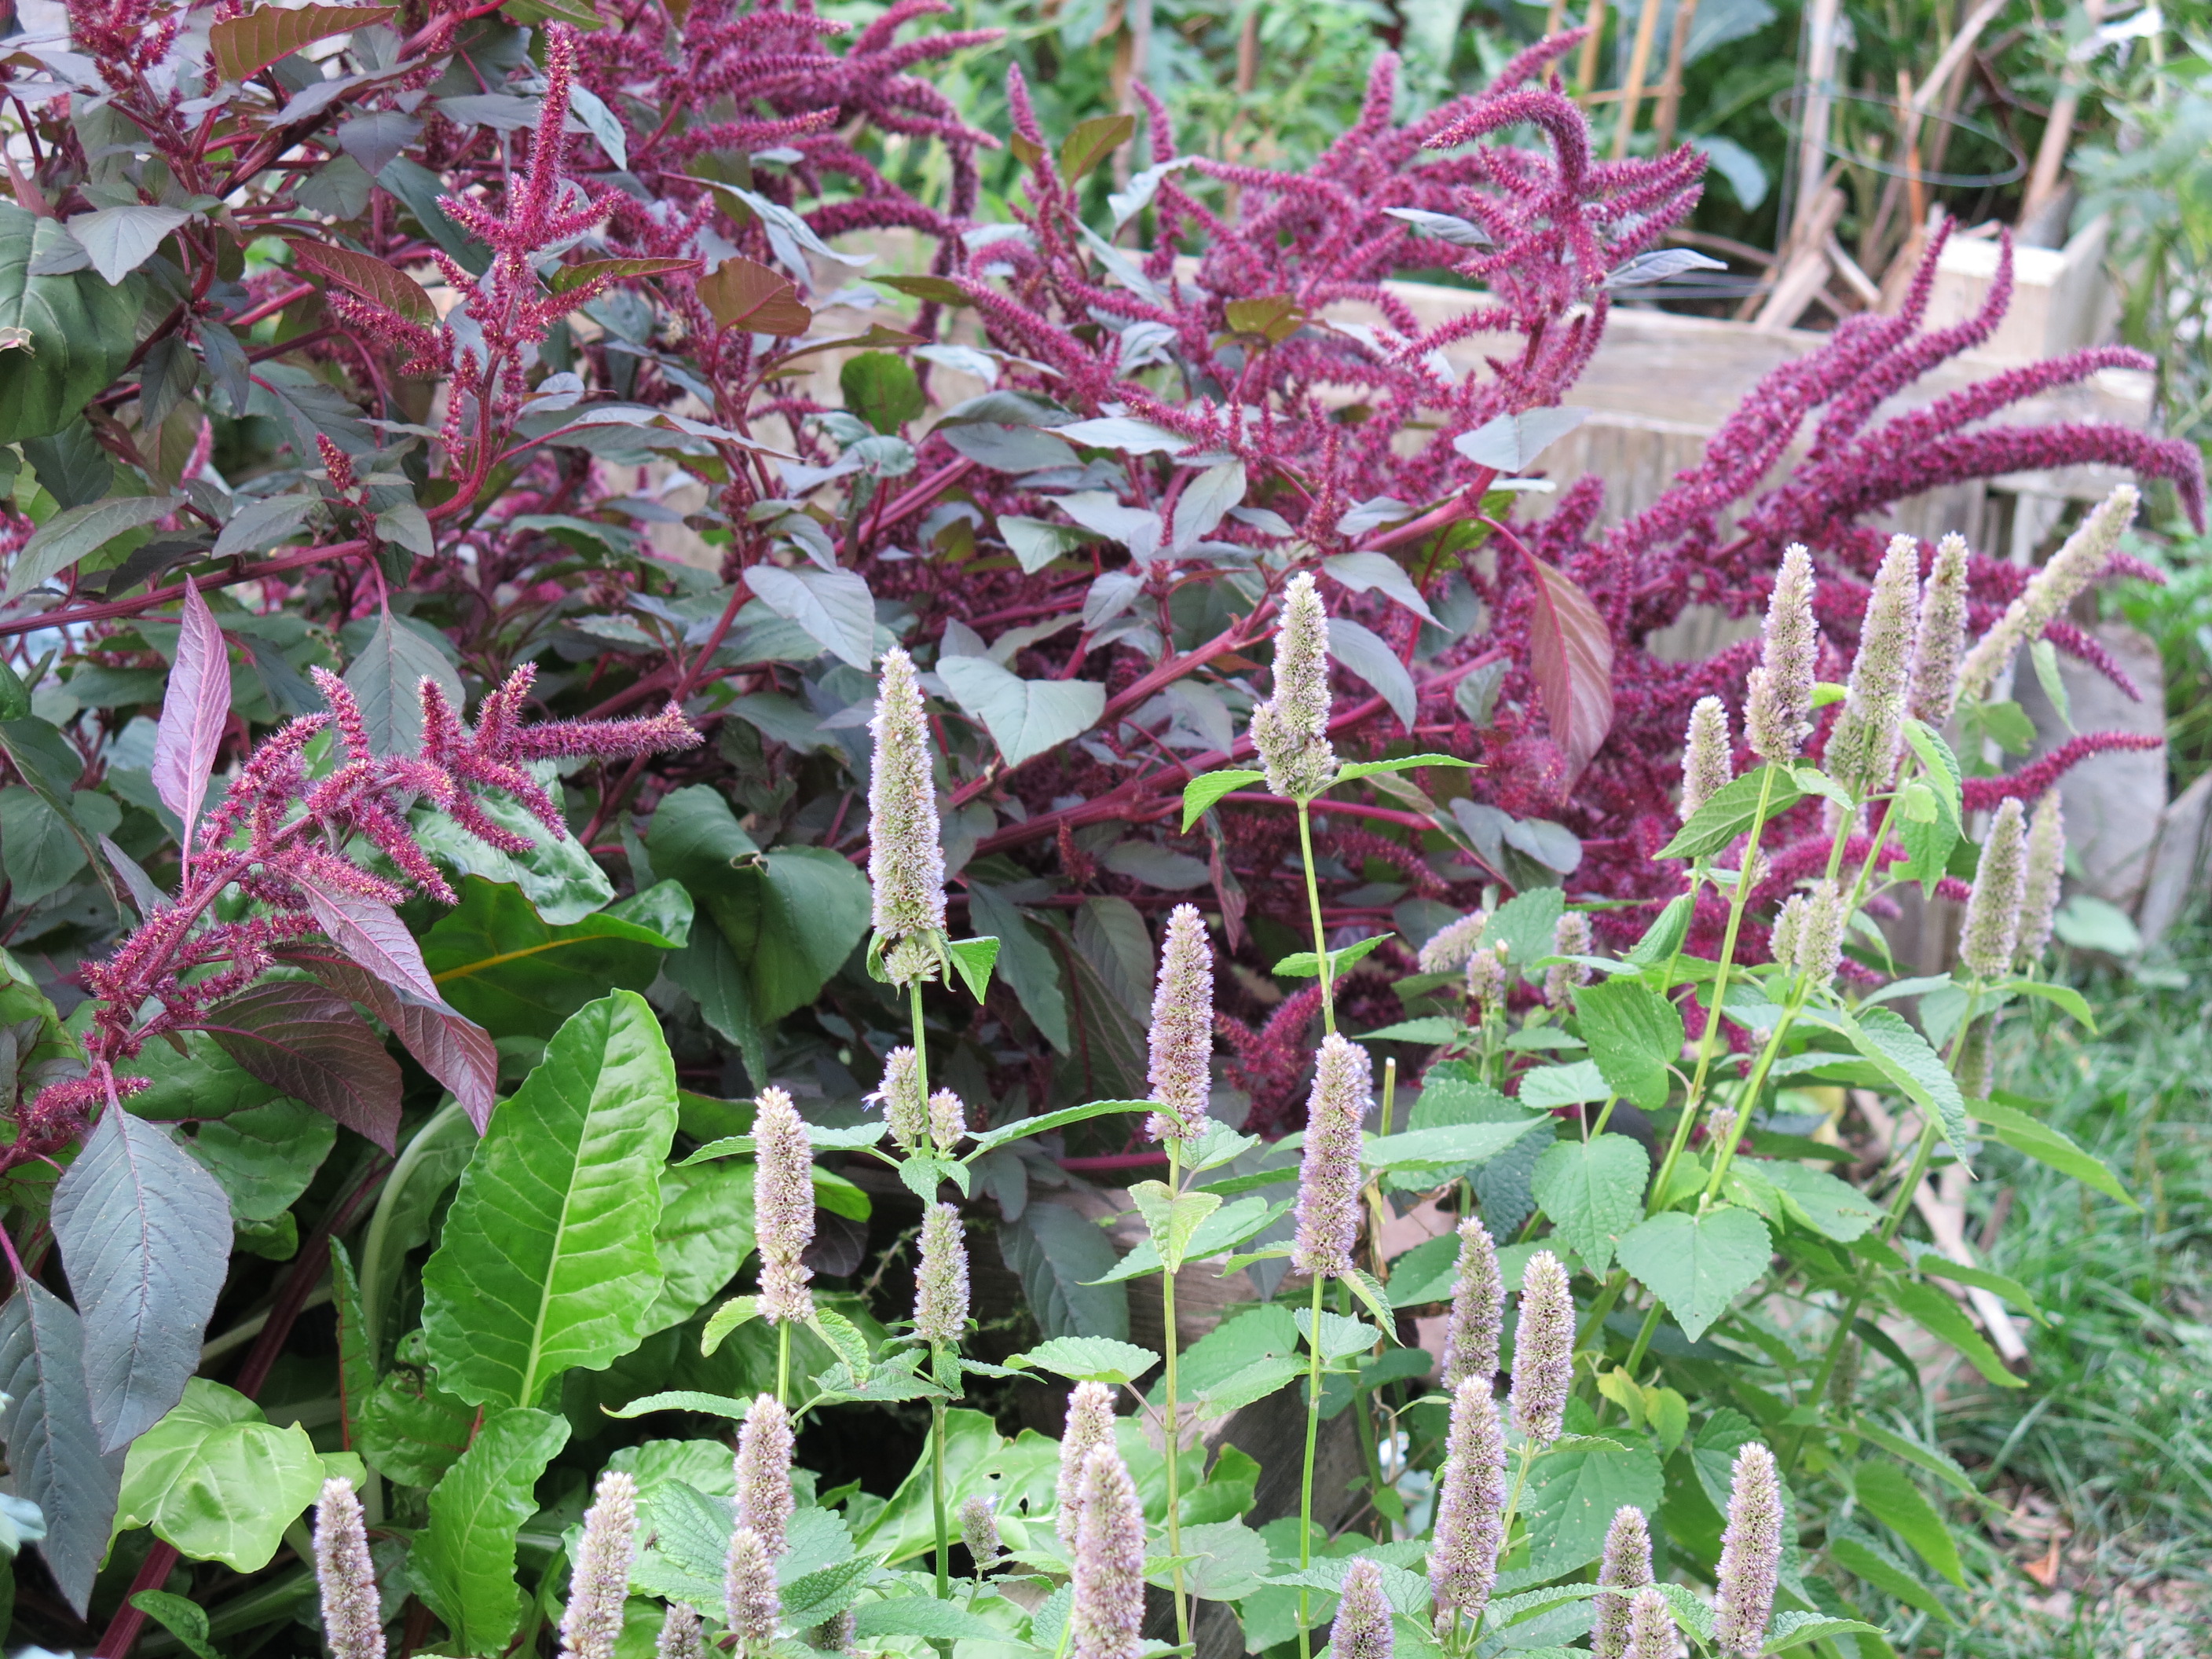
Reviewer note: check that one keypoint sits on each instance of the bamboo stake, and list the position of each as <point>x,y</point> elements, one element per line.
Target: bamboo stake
<point>2058,132</point>
<point>1639,63</point>
<point>1586,72</point>
<point>1813,131</point>
<point>1670,96</point>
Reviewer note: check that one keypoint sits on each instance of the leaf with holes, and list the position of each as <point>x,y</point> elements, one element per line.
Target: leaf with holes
<point>304,1040</point>
<point>1570,653</point>
<point>370,278</point>
<point>145,1237</point>
<point>742,293</point>
<point>247,45</point>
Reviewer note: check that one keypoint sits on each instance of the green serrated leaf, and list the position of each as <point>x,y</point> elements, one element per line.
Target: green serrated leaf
<point>974,959</point>
<point>1352,770</point>
<point>1634,1035</point>
<point>1732,811</point>
<point>464,1561</point>
<point>1903,1056</point>
<point>1304,964</point>
<point>1170,1220</point>
<point>1593,1191</point>
<point>1696,1265</point>
<point>1208,787</point>
<point>1089,1359</point>
<point>1887,1494</point>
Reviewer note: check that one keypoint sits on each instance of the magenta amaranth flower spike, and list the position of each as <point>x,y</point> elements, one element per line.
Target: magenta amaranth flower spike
<point>900,1095</point>
<point>764,1472</point>
<point>1488,981</point>
<point>1570,937</point>
<point>751,1604</point>
<point>598,1585</point>
<point>353,1621</point>
<point>940,1283</point>
<point>1090,1426</point>
<point>1328,1179</point>
<point>1651,1633</point>
<point>1450,946</point>
<point>1778,712</point>
<point>1470,1506</point>
<point>1869,735</point>
<point>906,864</point>
<point>1626,1567</point>
<point>680,1635</point>
<point>783,1208</point>
<point>1290,729</point>
<point>1362,1626</point>
<point>1107,1616</point>
<point>1942,637</point>
<point>1706,762</point>
<point>1990,932</point>
<point>1478,1310</point>
<point>1182,1075</point>
<point>1543,1349</point>
<point>2046,875</point>
<point>979,1531</point>
<point>1751,1554</point>
<point>2080,562</point>
<point>948,1120</point>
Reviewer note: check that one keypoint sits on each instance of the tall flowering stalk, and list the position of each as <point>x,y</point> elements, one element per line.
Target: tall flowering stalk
<point>1471,1504</point>
<point>1864,748</point>
<point>1625,1568</point>
<point>1751,1554</point>
<point>599,1585</point>
<point>1938,645</point>
<point>1362,1628</point>
<point>1089,1427</point>
<point>1543,1349</point>
<point>1478,1307</point>
<point>1778,715</point>
<point>1706,762</point>
<point>2046,875</point>
<point>906,863</point>
<point>940,1318</point>
<point>1106,1615</point>
<point>783,1220</point>
<point>2080,562</point>
<point>1290,733</point>
<point>353,1620</point>
<point>751,1603</point>
<point>763,1469</point>
<point>1990,932</point>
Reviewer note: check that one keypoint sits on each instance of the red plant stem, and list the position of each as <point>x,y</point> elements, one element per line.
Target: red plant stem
<point>123,1629</point>
<point>1351,808</point>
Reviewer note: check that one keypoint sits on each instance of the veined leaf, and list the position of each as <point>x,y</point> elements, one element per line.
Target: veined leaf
<point>1089,1359</point>
<point>1635,1035</point>
<point>299,1038</point>
<point>71,534</point>
<point>1091,141</point>
<point>1696,1265</point>
<point>464,1558</point>
<point>496,960</point>
<point>1025,717</point>
<point>193,711</point>
<point>219,1480</point>
<point>79,329</point>
<point>246,44</point>
<point>2031,1138</point>
<point>1208,787</point>
<point>1904,1057</point>
<point>1593,1191</point>
<point>548,1260</point>
<point>387,678</point>
<point>1570,653</point>
<point>369,277</point>
<point>1888,1494</point>
<point>1058,1253</point>
<point>54,1458</point>
<point>1732,811</point>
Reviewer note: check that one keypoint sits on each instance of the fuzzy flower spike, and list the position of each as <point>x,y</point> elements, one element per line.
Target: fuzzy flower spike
<point>1543,1349</point>
<point>2049,591</point>
<point>1362,1630</point>
<point>750,1597</point>
<point>353,1622</point>
<point>1182,1073</point>
<point>940,1283</point>
<point>1470,1505</point>
<point>764,1472</point>
<point>1290,729</point>
<point>1625,1569</point>
<point>1778,714</point>
<point>1751,1554</point>
<point>1943,636</point>
<point>906,864</point>
<point>783,1208</point>
<point>1477,1307</point>
<point>680,1635</point>
<point>1090,1426</point>
<point>1867,737</point>
<point>1706,762</point>
<point>1328,1179</point>
<point>2047,873</point>
<point>1989,933</point>
<point>899,1094</point>
<point>600,1584</point>
<point>1107,1615</point>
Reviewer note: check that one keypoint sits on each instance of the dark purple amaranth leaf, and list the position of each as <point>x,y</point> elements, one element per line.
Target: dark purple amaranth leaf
<point>54,1458</point>
<point>840,1242</point>
<point>451,1047</point>
<point>306,1042</point>
<point>144,1233</point>
<point>1570,654</point>
<point>193,711</point>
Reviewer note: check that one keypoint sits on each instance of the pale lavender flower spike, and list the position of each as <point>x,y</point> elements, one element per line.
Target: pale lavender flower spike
<point>1570,937</point>
<point>948,1120</point>
<point>1090,1426</point>
<point>1651,1627</point>
<point>2047,873</point>
<point>1870,734</point>
<point>751,1603</point>
<point>1543,1349</point>
<point>906,864</point>
<point>1990,932</point>
<point>1290,729</point>
<point>899,1094</point>
<point>1626,1567</point>
<point>1487,981</point>
<point>783,1206</point>
<point>1751,1554</point>
<point>1451,944</point>
<point>353,1621</point>
<point>1943,638</point>
<point>1182,1075</point>
<point>1778,713</point>
<point>1820,934</point>
<point>1470,1506</point>
<point>1107,1615</point>
<point>680,1637</point>
<point>979,1531</point>
<point>1328,1179</point>
<point>1706,762</point>
<point>940,1282</point>
<point>1362,1629</point>
<point>2049,591</point>
<point>1477,1309</point>
<point>599,1585</point>
<point>764,1472</point>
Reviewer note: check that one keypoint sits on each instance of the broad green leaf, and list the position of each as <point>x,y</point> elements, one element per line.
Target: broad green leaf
<point>2076,1006</point>
<point>1874,1562</point>
<point>1527,924</point>
<point>357,1363</point>
<point>905,1527</point>
<point>72,534</point>
<point>1447,1146</point>
<point>1352,770</point>
<point>548,1260</point>
<point>1731,811</point>
<point>82,329</point>
<point>1696,1265</point>
<point>463,1560</point>
<point>1580,1084</point>
<point>497,961</point>
<point>1021,1128</point>
<point>1432,1032</point>
<point>834,606</point>
<point>1887,1494</point>
<point>1370,657</point>
<point>1795,1629</point>
<point>738,1311</point>
<point>1593,1191</point>
<point>182,1618</point>
<point>694,838</point>
<point>2033,1137</point>
<point>1089,1359</point>
<point>1025,961</point>
<point>1453,1093</point>
<point>202,1082</point>
<point>1634,1035</point>
<point>1170,1220</point>
<point>562,881</point>
<point>40,850</point>
<point>1305,964</point>
<point>264,1158</point>
<point>1340,1337</point>
<point>1929,842</point>
<point>686,1399</point>
<point>972,958</point>
<point>1058,1253</point>
<point>1959,1273</point>
<point>387,676</point>
<point>217,1479</point>
<point>706,1230</point>
<point>1574,1490</point>
<point>1221,1230</point>
<point>1208,787</point>
<point>1835,1209</point>
<point>1904,1057</point>
<point>1025,717</point>
<point>922,1615</point>
<point>1232,1558</point>
<point>410,1431</point>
